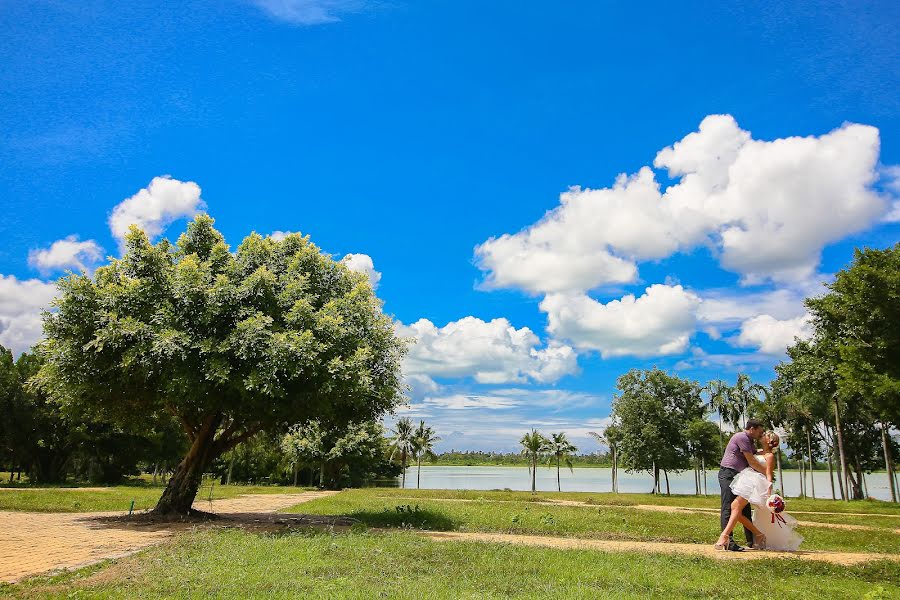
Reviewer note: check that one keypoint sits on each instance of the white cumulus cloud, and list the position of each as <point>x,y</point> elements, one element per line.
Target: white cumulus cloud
<point>68,253</point>
<point>659,322</point>
<point>767,208</point>
<point>156,206</point>
<point>362,263</point>
<point>489,351</point>
<point>21,303</point>
<point>307,12</point>
<point>280,235</point>
<point>773,336</point>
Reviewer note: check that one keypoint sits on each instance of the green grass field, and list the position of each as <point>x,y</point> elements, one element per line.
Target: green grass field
<point>611,521</point>
<point>398,563</point>
<point>234,564</point>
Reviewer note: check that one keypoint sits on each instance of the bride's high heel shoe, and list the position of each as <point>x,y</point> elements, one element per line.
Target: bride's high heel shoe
<point>759,541</point>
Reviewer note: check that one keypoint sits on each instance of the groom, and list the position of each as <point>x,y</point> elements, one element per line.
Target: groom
<point>739,454</point>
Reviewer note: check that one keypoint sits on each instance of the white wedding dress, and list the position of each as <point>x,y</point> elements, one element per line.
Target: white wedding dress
<point>778,529</point>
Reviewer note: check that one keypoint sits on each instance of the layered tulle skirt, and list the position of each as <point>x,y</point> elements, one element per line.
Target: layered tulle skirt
<point>752,485</point>
<point>779,529</point>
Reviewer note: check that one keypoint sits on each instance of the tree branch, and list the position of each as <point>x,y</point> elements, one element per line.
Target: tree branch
<point>224,445</point>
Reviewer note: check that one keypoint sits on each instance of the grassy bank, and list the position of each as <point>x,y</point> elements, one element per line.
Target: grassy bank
<point>514,512</point>
<point>235,564</point>
<point>116,498</point>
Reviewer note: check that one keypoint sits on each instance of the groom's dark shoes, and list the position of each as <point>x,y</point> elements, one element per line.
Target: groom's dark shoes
<point>734,547</point>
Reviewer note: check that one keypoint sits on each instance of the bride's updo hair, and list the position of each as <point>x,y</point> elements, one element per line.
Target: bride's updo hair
<point>772,437</point>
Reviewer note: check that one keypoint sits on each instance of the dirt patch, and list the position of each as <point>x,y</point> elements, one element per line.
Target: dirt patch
<point>844,526</point>
<point>838,558</point>
<point>35,543</point>
<point>673,509</point>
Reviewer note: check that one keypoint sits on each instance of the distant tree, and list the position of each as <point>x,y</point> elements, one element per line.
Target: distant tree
<point>559,448</point>
<point>611,436</point>
<point>743,394</point>
<point>230,344</point>
<point>403,442</point>
<point>653,410</point>
<point>720,402</point>
<point>424,440</point>
<point>534,447</point>
<point>39,436</point>
<point>305,443</point>
<point>355,453</point>
<point>702,439</point>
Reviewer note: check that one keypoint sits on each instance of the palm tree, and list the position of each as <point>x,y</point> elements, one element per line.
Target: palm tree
<point>560,448</point>
<point>423,441</point>
<point>720,402</point>
<point>403,442</point>
<point>744,393</point>
<point>534,446</point>
<point>610,437</point>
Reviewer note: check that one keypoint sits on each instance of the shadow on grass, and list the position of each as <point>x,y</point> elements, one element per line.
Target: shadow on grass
<point>406,517</point>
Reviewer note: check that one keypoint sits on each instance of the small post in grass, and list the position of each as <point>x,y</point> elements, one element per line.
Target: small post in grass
<point>131,508</point>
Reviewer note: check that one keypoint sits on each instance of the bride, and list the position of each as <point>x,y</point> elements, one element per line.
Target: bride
<point>770,530</point>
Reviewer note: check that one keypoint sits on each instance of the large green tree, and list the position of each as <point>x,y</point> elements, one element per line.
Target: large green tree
<point>860,316</point>
<point>229,344</point>
<point>652,411</point>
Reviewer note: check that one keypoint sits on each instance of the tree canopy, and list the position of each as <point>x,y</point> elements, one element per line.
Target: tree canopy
<point>229,344</point>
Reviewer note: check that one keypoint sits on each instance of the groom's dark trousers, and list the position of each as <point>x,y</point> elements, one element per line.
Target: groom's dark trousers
<point>726,476</point>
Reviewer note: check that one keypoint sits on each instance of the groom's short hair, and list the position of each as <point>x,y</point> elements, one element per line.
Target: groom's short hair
<point>753,424</point>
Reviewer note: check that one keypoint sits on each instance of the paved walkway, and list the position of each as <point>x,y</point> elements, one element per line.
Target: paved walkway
<point>34,543</point>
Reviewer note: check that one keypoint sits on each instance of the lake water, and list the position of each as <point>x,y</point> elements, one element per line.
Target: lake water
<point>598,480</point>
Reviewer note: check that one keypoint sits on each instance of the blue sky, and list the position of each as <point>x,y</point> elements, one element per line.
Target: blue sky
<point>430,140</point>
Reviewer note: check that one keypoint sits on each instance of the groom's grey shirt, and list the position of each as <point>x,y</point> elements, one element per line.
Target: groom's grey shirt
<point>734,452</point>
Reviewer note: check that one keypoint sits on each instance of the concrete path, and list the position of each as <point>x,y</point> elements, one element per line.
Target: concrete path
<point>35,543</point>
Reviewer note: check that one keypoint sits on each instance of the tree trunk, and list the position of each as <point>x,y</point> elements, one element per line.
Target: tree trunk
<point>182,488</point>
<point>845,492</point>
<point>721,436</point>
<point>840,439</point>
<point>812,466</point>
<point>831,476</point>
<point>296,471</point>
<point>704,476</point>
<point>780,473</point>
<point>322,474</point>
<point>666,473</point>
<point>403,464</point>
<point>419,472</point>
<point>896,483</point>
<point>534,475</point>
<point>558,482</point>
<point>854,481</point>
<point>888,463</point>
<point>616,470</point>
